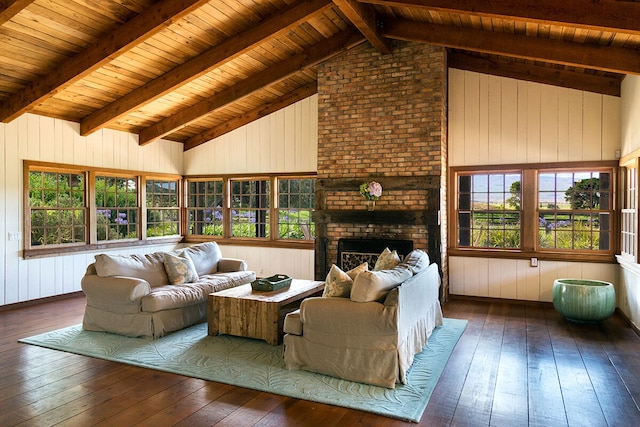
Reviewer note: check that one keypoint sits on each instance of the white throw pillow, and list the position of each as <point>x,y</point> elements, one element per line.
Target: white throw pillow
<point>417,260</point>
<point>180,269</point>
<point>338,283</point>
<point>374,285</point>
<point>387,260</point>
<point>149,267</point>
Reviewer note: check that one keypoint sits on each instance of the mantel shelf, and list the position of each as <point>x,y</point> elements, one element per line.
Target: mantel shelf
<point>351,216</point>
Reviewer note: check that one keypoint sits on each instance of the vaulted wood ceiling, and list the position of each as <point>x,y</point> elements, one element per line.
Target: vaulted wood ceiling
<point>192,70</point>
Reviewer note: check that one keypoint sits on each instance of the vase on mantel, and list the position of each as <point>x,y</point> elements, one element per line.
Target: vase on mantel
<point>371,204</point>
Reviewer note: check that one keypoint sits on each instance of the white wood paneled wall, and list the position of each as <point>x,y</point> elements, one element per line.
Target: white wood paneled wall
<point>496,120</point>
<point>45,139</point>
<point>285,141</point>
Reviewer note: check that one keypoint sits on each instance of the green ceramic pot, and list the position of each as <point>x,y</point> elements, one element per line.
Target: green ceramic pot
<point>584,301</point>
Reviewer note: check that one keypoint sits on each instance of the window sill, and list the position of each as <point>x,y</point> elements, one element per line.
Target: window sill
<point>48,252</point>
<point>266,243</point>
<point>546,256</point>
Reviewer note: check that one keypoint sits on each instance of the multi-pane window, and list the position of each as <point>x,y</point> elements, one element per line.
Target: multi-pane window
<point>574,210</point>
<point>567,209</point>
<point>489,210</point>
<point>205,207</point>
<point>57,208</point>
<point>296,201</point>
<point>250,208</point>
<point>629,228</point>
<point>117,207</point>
<point>163,208</point>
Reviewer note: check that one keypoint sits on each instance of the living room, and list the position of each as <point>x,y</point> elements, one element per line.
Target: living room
<point>408,116</point>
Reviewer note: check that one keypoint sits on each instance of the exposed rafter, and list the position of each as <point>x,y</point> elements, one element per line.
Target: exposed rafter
<point>203,63</point>
<point>619,16</point>
<point>117,41</point>
<point>364,18</point>
<point>556,77</point>
<point>10,8</point>
<point>266,109</point>
<point>613,59</point>
<point>273,74</point>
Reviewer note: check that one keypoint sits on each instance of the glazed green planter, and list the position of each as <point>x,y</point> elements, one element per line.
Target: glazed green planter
<point>584,301</point>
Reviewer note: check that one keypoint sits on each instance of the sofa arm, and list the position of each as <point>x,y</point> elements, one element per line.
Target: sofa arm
<point>228,265</point>
<point>118,293</point>
<point>341,316</point>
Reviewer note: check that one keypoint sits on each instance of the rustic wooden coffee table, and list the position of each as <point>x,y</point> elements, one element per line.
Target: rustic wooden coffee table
<point>241,311</point>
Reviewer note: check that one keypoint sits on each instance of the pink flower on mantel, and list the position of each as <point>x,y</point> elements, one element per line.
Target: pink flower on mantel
<point>375,189</point>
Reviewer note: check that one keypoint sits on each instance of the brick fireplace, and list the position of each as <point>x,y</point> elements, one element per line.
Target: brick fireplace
<point>382,118</point>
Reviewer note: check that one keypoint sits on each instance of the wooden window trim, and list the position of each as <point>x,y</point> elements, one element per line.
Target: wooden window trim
<point>529,189</point>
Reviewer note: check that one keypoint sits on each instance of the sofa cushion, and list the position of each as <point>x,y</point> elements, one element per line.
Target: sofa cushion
<point>149,267</point>
<point>387,260</point>
<point>180,269</point>
<point>338,283</point>
<point>205,257</point>
<point>374,285</point>
<point>417,260</point>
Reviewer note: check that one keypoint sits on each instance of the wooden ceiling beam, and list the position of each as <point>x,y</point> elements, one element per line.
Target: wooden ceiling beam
<point>10,8</point>
<point>119,40</point>
<point>604,58</point>
<point>616,16</point>
<point>255,114</point>
<point>196,67</point>
<point>365,19</point>
<point>535,73</point>
<point>275,73</point>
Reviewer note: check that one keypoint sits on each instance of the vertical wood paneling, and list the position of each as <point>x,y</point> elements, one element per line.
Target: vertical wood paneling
<point>533,123</point>
<point>549,124</point>
<point>493,133</point>
<point>456,117</point>
<point>509,120</point>
<point>45,139</point>
<point>592,135</point>
<point>496,120</point>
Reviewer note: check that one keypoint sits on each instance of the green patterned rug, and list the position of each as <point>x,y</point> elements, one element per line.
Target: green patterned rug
<point>256,365</point>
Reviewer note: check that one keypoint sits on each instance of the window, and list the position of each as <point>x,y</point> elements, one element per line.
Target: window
<point>57,208</point>
<point>296,200</point>
<point>629,222</point>
<point>574,210</point>
<point>163,208</point>
<point>117,209</point>
<point>205,207</point>
<point>71,208</point>
<point>250,208</point>
<point>564,212</point>
<point>489,210</point>
<point>238,207</point>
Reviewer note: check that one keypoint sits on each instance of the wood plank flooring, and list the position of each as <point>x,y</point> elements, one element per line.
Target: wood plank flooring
<point>515,365</point>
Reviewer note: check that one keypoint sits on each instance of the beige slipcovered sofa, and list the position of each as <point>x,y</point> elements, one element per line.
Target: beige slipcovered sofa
<point>150,295</point>
<point>372,335</point>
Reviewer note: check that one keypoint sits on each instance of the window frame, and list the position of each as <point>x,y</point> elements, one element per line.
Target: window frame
<point>91,242</point>
<point>273,240</point>
<point>529,247</point>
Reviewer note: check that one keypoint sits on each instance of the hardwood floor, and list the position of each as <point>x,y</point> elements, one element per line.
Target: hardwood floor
<point>515,365</point>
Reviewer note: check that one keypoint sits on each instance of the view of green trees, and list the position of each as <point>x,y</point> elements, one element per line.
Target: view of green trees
<point>57,208</point>
<point>568,215</point>
<point>116,208</point>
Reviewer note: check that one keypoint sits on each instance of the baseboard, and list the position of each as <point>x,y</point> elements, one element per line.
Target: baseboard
<point>37,301</point>
<point>631,324</point>
<point>490,300</point>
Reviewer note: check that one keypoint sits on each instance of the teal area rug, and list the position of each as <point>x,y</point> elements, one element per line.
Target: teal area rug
<point>256,365</point>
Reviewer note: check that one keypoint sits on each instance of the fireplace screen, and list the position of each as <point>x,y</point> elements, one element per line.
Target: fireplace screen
<point>353,252</point>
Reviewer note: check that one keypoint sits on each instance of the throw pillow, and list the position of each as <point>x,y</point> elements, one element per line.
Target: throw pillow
<point>338,283</point>
<point>387,260</point>
<point>180,269</point>
<point>149,267</point>
<point>417,260</point>
<point>374,285</point>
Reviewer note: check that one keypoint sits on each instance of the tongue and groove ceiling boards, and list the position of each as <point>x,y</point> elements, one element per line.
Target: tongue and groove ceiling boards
<point>192,70</point>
